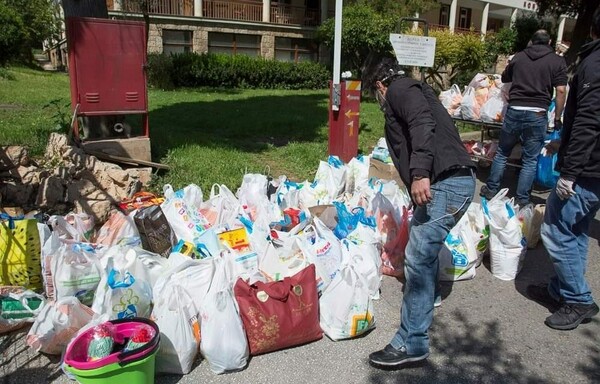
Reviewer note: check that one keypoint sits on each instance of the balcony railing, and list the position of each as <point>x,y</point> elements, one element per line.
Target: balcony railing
<point>233,10</point>
<point>243,10</point>
<point>158,7</point>
<point>292,15</point>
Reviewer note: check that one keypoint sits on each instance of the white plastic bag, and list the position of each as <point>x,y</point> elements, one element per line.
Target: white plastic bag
<point>323,249</point>
<point>15,319</point>
<point>470,108</point>
<point>193,276</point>
<point>458,258</point>
<point>493,109</point>
<point>177,318</point>
<point>331,175</point>
<point>76,272</point>
<point>57,324</point>
<point>282,260</point>
<point>125,290</point>
<point>346,308</point>
<point>222,207</point>
<point>507,243</point>
<point>357,173</point>
<point>219,316</point>
<point>117,227</point>
<point>183,216</point>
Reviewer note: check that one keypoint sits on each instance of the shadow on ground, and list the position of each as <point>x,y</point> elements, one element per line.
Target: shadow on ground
<point>472,353</point>
<point>250,125</point>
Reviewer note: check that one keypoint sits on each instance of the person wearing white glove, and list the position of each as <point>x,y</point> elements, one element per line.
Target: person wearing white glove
<point>574,202</point>
<point>564,188</point>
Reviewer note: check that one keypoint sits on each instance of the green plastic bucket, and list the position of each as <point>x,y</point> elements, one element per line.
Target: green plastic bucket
<point>133,372</point>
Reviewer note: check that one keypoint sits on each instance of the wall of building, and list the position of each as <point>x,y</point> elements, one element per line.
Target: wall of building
<point>200,30</point>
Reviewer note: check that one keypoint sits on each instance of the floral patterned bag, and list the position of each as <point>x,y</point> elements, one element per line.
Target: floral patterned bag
<point>280,314</point>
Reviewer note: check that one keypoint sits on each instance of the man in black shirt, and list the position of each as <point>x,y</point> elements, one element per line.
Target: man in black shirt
<point>534,73</point>
<point>573,204</point>
<point>432,161</point>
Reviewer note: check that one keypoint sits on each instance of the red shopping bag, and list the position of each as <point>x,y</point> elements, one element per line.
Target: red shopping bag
<point>280,314</point>
<point>392,256</point>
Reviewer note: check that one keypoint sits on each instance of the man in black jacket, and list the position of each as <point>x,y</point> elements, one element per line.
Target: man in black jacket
<point>432,161</point>
<point>534,74</point>
<point>575,200</point>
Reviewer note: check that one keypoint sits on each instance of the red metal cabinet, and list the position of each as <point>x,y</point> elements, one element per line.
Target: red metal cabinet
<point>106,67</point>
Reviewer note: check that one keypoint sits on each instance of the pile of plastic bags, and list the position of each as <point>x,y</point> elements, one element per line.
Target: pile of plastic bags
<point>484,99</point>
<point>234,263</point>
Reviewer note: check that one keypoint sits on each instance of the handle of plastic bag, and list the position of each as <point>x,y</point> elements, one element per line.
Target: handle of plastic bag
<point>27,294</point>
<point>168,191</point>
<point>126,282</point>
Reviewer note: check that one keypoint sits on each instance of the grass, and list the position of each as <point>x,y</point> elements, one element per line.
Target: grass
<point>207,136</point>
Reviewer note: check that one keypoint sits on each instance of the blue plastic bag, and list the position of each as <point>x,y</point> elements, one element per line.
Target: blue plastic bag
<point>348,221</point>
<point>545,174</point>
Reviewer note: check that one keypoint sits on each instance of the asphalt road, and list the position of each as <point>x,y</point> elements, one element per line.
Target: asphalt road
<point>486,331</point>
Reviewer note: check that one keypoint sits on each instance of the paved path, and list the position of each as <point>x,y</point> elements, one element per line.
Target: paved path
<point>486,331</point>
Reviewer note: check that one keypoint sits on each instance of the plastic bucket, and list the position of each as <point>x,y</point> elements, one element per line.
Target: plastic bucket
<point>132,372</point>
<point>132,367</point>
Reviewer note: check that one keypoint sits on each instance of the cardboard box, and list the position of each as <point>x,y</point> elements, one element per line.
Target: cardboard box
<point>326,213</point>
<point>382,170</point>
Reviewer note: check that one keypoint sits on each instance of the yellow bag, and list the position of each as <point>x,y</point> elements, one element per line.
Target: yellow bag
<point>20,253</point>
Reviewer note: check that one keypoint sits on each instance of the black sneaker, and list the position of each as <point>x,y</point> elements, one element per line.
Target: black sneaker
<point>392,357</point>
<point>486,192</point>
<point>540,294</point>
<point>570,315</point>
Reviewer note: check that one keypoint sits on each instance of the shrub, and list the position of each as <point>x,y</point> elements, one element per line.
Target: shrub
<point>160,71</point>
<point>239,71</point>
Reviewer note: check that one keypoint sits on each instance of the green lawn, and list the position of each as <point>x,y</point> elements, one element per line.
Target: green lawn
<point>206,135</point>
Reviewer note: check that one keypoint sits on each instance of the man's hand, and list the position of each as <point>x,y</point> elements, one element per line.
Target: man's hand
<point>551,148</point>
<point>557,125</point>
<point>419,190</point>
<point>564,189</point>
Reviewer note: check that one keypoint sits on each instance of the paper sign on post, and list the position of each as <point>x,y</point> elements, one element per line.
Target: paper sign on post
<point>414,51</point>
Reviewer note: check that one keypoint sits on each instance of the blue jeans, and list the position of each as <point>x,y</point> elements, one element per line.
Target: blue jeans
<point>565,236</point>
<point>429,227</point>
<point>530,128</point>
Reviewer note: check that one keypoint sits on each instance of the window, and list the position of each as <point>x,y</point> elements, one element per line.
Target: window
<point>176,41</point>
<point>234,44</point>
<point>494,25</point>
<point>464,18</point>
<point>295,50</point>
<point>444,14</point>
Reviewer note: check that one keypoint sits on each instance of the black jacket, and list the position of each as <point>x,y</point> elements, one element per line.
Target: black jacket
<point>534,72</point>
<point>421,136</point>
<point>579,154</point>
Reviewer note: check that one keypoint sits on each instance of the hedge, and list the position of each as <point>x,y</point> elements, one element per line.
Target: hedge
<point>238,71</point>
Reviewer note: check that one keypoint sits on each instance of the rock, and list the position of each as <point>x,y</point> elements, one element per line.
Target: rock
<point>98,209</point>
<point>13,156</point>
<point>14,193</point>
<point>51,192</point>
<point>28,175</point>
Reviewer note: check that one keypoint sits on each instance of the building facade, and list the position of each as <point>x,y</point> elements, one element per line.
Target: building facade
<point>284,30</point>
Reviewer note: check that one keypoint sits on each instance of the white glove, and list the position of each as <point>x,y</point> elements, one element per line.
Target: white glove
<point>564,189</point>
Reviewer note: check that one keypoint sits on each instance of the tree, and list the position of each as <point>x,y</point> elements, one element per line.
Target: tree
<point>366,27</point>
<point>25,25</point>
<point>582,9</point>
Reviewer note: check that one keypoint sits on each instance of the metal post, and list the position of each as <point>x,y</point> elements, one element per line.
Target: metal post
<point>337,56</point>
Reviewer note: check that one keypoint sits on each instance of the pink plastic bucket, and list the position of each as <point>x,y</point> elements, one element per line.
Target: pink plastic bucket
<point>76,354</point>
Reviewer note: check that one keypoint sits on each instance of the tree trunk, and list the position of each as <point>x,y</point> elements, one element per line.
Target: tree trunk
<point>85,8</point>
<point>582,29</point>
